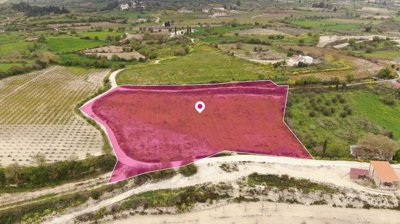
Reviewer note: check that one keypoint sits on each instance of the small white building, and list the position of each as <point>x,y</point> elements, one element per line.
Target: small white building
<point>221,9</point>
<point>185,10</point>
<point>141,20</point>
<point>205,10</point>
<point>124,6</point>
<point>180,33</point>
<point>218,14</point>
<point>294,61</point>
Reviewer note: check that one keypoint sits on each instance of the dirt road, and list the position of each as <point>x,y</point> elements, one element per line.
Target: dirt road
<point>330,172</point>
<point>269,212</point>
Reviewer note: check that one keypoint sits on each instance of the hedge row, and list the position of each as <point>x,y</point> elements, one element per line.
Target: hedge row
<point>14,177</point>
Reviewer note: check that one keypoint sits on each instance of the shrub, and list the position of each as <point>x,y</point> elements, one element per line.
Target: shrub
<point>385,73</point>
<point>308,80</point>
<point>390,101</point>
<point>54,173</point>
<point>95,195</point>
<point>188,170</point>
<point>377,147</point>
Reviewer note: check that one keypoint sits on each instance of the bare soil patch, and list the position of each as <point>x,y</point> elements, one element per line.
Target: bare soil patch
<point>110,51</point>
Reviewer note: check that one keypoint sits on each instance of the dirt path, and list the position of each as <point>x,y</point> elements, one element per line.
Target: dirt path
<point>329,172</point>
<point>269,212</point>
<point>325,40</point>
<point>113,77</point>
<point>8,200</point>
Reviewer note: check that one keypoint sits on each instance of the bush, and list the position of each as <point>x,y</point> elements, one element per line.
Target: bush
<point>55,173</point>
<point>385,73</point>
<point>396,156</point>
<point>390,101</point>
<point>308,80</point>
<point>188,170</point>
<point>377,147</point>
<point>95,195</point>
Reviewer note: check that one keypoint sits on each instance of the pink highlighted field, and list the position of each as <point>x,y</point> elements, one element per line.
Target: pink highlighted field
<point>157,127</point>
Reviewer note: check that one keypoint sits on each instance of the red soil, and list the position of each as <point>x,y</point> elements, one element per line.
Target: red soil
<point>161,125</point>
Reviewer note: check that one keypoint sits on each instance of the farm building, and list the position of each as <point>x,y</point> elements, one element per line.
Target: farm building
<point>294,61</point>
<point>185,10</point>
<point>124,6</point>
<point>383,174</point>
<point>218,14</point>
<point>356,174</point>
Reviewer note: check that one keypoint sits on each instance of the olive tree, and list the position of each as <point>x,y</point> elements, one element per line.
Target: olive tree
<point>377,147</point>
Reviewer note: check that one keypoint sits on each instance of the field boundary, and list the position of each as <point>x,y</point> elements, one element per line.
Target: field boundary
<point>186,85</point>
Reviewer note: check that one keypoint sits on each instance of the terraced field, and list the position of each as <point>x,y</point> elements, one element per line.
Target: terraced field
<point>37,115</point>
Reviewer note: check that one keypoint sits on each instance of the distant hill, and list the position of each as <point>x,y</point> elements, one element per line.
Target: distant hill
<point>94,5</point>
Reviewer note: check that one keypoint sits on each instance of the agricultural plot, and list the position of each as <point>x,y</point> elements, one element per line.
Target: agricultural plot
<point>101,35</point>
<point>340,65</point>
<point>327,25</point>
<point>340,118</point>
<point>38,115</point>
<point>115,51</point>
<point>203,65</point>
<point>70,44</point>
<point>158,127</point>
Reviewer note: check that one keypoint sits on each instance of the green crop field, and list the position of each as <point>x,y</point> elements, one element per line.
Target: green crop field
<point>18,48</point>
<point>102,35</point>
<point>325,25</point>
<point>316,117</point>
<point>203,65</point>
<point>221,29</point>
<point>371,107</point>
<point>6,66</point>
<point>70,44</point>
<point>387,55</point>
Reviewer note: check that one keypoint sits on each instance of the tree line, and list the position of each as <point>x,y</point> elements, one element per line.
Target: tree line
<point>30,10</point>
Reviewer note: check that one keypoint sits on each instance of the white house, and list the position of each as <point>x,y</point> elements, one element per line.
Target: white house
<point>205,10</point>
<point>218,14</point>
<point>294,61</point>
<point>124,6</point>
<point>185,10</point>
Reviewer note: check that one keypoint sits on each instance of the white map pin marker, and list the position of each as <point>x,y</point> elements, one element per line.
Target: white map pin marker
<point>200,106</point>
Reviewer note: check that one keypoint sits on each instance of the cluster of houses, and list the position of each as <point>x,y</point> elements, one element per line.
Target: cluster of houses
<point>296,60</point>
<point>132,5</point>
<point>216,10</point>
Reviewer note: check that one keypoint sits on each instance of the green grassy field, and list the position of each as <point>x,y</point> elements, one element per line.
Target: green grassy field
<point>82,59</point>
<point>6,66</point>
<point>311,118</point>
<point>325,25</point>
<point>203,65</point>
<point>102,35</point>
<point>70,44</point>
<point>18,48</point>
<point>215,30</point>
<point>371,107</point>
<point>386,55</point>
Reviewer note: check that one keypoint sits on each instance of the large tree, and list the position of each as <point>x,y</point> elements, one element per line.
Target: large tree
<point>377,147</point>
